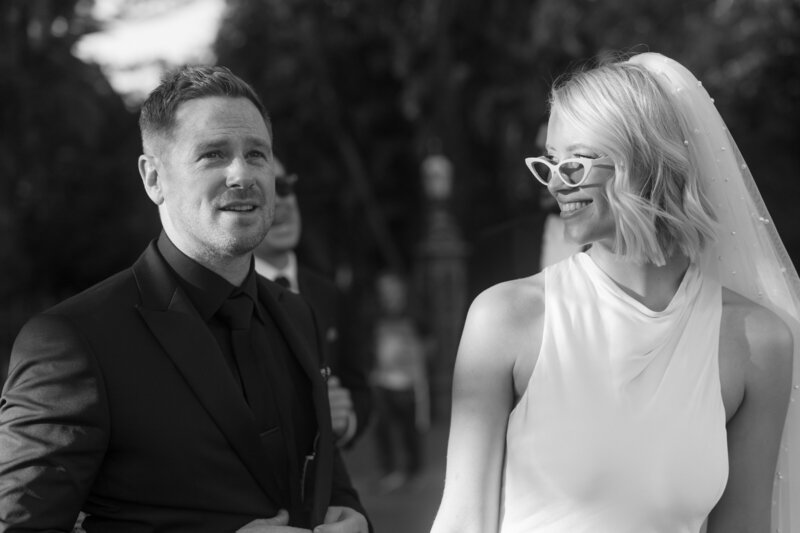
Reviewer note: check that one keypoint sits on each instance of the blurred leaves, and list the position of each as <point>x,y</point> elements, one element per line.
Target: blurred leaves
<point>362,90</point>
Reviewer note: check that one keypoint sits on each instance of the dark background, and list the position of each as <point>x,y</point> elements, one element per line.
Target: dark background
<point>360,92</point>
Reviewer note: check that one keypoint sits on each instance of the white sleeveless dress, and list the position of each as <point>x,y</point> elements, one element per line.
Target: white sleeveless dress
<point>622,427</point>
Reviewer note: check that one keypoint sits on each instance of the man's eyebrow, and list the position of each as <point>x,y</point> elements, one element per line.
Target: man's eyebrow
<point>260,141</point>
<point>210,144</point>
<point>223,142</point>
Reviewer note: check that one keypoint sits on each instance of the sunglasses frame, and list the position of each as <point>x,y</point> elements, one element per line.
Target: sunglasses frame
<point>555,168</point>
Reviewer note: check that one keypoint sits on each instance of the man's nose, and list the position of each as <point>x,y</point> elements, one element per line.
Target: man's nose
<point>239,174</point>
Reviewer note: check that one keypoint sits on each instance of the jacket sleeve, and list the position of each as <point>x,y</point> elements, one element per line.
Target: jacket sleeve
<point>53,427</point>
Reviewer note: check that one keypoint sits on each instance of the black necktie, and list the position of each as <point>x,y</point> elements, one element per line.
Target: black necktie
<point>283,281</point>
<point>236,312</point>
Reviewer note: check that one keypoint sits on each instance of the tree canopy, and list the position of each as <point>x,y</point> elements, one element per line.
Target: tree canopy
<point>362,90</point>
<point>71,207</point>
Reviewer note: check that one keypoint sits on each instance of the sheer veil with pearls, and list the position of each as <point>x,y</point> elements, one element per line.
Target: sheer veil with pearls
<point>748,256</point>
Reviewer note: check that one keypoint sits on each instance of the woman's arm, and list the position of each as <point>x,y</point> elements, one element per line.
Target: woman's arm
<point>497,331</point>
<point>760,344</point>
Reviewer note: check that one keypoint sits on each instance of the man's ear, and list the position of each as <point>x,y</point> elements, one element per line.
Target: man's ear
<point>149,171</point>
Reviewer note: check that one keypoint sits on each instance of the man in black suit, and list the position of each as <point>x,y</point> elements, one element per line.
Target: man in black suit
<point>275,259</point>
<point>184,393</point>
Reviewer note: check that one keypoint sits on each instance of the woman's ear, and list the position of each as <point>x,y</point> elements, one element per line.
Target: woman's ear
<point>149,171</point>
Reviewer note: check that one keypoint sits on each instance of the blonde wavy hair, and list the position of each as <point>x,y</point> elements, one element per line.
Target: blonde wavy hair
<point>656,196</point>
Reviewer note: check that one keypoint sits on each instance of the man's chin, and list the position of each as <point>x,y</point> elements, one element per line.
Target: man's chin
<point>243,242</point>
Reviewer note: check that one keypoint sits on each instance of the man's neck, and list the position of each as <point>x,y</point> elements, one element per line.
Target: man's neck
<point>234,270</point>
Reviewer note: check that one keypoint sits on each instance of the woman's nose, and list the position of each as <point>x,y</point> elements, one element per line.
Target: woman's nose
<point>555,183</point>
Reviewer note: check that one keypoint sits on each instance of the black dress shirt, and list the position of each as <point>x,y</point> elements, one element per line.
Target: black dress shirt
<point>290,388</point>
<point>207,291</point>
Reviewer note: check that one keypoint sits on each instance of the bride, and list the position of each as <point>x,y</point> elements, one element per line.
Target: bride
<point>643,385</point>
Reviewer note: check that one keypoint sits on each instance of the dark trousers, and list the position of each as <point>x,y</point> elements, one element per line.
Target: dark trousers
<point>396,424</point>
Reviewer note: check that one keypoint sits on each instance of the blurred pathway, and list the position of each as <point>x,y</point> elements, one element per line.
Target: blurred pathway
<point>412,507</point>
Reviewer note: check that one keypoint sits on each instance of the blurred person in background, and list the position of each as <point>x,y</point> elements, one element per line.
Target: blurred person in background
<point>642,385</point>
<point>275,259</point>
<point>148,400</point>
<point>400,383</point>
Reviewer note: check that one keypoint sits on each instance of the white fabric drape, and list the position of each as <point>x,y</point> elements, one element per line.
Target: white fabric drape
<point>748,255</point>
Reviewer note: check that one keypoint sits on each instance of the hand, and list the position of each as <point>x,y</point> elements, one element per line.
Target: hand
<point>343,520</point>
<point>276,524</point>
<point>341,406</point>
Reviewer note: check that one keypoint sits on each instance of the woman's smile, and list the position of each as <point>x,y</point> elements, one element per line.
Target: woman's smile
<point>571,208</point>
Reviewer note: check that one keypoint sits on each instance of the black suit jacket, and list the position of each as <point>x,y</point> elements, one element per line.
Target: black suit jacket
<point>339,348</point>
<point>118,401</point>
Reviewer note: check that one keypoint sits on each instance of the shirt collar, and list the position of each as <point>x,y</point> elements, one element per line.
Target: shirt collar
<point>289,272</point>
<point>206,289</point>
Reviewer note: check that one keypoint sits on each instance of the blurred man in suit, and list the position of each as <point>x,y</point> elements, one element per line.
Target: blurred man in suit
<point>183,393</point>
<point>275,259</point>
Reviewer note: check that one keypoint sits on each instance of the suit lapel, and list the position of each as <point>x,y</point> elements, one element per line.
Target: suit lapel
<point>272,296</point>
<point>187,341</point>
<point>300,348</point>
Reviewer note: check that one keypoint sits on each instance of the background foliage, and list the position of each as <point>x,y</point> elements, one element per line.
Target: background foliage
<point>71,207</point>
<point>360,92</point>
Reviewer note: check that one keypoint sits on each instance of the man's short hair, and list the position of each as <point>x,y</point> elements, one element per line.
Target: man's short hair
<point>157,116</point>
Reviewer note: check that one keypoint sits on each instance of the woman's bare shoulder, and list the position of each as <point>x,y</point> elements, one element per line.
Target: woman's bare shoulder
<point>512,301</point>
<point>502,314</point>
<point>509,319</point>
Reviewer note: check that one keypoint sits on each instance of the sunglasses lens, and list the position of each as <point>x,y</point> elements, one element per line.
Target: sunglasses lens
<point>542,171</point>
<point>573,171</point>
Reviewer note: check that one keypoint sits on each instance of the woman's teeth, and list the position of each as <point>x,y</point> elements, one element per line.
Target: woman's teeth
<point>573,206</point>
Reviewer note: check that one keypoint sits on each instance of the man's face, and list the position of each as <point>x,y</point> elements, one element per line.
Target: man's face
<point>215,179</point>
<point>286,227</point>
